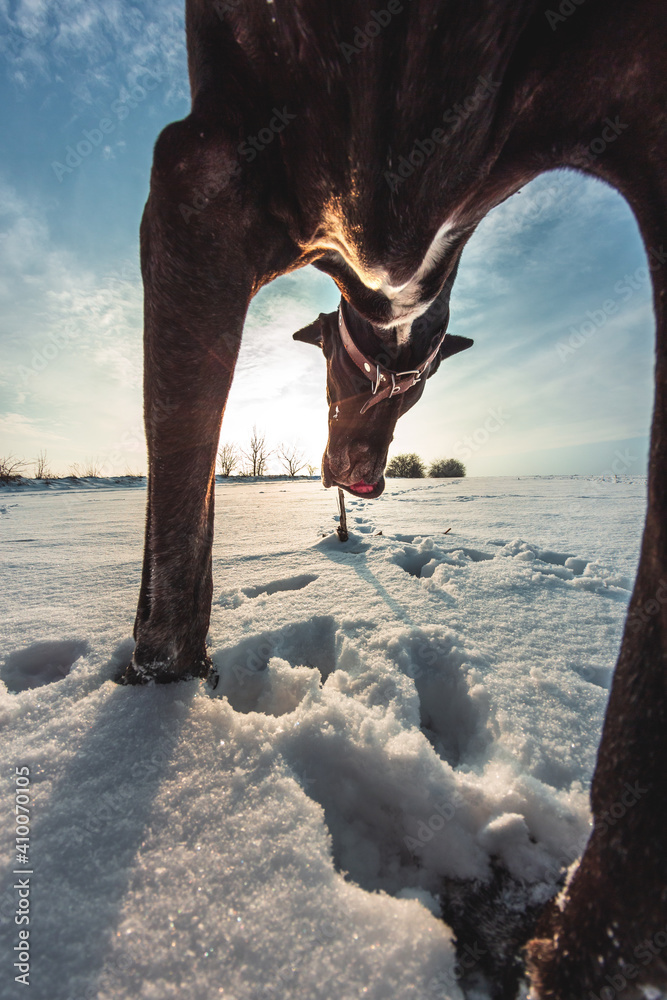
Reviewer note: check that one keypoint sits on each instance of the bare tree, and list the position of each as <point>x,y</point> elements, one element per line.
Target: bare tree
<point>311,469</point>
<point>291,459</point>
<point>74,471</point>
<point>41,463</point>
<point>92,468</point>
<point>10,468</point>
<point>257,454</point>
<point>228,458</point>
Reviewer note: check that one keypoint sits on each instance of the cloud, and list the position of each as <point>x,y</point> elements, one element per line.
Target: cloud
<point>54,305</point>
<point>72,317</point>
<point>18,426</point>
<point>44,42</point>
<point>71,337</point>
<point>72,344</point>
<point>534,272</point>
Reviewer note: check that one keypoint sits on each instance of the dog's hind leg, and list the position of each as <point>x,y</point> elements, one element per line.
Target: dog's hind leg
<point>206,248</point>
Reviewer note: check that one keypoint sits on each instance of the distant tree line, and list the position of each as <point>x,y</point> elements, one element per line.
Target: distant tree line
<point>13,470</point>
<point>233,460</point>
<point>253,459</point>
<point>410,466</point>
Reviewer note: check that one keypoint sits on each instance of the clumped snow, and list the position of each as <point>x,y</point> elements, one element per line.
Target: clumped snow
<point>405,727</point>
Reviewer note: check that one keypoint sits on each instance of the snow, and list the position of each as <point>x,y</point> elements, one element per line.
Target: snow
<point>405,720</point>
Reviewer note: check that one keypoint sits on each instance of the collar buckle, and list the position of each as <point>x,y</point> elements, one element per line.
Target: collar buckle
<point>399,381</point>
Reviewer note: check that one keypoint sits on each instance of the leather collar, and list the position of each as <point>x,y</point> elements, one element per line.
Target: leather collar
<point>384,381</point>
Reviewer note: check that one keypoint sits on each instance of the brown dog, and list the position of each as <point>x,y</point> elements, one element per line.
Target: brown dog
<point>371,143</point>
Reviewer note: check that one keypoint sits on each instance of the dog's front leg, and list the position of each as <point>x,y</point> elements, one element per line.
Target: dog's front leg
<point>200,265</point>
<point>606,936</point>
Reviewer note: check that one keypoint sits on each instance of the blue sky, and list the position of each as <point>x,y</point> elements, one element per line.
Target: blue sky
<point>554,383</point>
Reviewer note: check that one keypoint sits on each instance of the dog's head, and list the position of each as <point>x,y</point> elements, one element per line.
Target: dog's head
<point>373,378</point>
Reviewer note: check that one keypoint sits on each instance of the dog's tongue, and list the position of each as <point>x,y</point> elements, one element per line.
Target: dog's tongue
<point>362,487</point>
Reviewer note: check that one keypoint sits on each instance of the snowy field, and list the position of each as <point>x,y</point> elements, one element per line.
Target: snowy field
<point>405,724</point>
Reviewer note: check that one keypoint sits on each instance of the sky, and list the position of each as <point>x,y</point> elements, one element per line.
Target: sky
<point>553,287</point>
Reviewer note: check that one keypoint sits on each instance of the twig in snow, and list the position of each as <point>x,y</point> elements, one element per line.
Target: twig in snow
<point>341,530</point>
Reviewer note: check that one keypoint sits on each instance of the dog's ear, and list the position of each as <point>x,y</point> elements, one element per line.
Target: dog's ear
<point>452,344</point>
<point>315,332</point>
<point>311,334</point>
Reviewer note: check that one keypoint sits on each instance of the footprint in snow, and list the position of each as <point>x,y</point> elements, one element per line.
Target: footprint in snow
<point>279,586</point>
<point>41,663</point>
<point>421,561</point>
<point>574,571</point>
<point>454,709</point>
<point>234,598</point>
<point>373,820</point>
<point>600,676</point>
<point>363,525</point>
<point>248,684</point>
